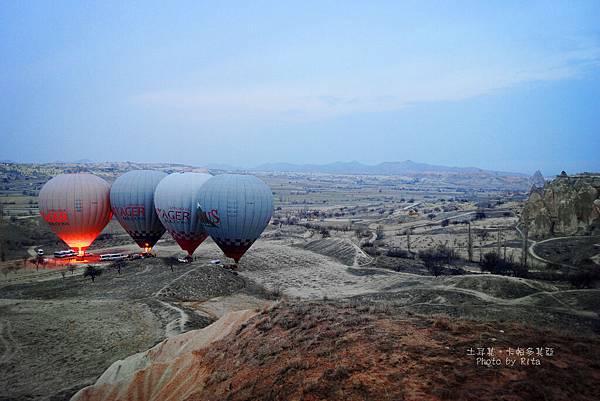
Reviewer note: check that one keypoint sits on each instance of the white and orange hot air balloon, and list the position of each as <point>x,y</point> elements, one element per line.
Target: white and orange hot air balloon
<point>77,208</point>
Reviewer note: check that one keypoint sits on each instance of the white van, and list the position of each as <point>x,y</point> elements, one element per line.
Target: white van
<point>65,254</point>
<point>113,256</point>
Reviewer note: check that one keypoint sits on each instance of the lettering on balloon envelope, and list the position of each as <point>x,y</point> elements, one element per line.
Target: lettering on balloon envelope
<point>210,219</point>
<point>131,211</point>
<point>56,217</point>
<point>174,214</point>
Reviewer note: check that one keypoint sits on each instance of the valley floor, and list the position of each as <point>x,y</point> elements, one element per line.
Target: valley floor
<point>58,334</point>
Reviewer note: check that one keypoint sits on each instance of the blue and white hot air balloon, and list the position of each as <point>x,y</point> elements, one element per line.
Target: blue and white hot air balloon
<point>175,202</point>
<point>235,209</point>
<point>132,202</point>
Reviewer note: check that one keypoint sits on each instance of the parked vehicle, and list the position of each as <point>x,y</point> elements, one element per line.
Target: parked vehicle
<point>113,256</point>
<point>65,254</point>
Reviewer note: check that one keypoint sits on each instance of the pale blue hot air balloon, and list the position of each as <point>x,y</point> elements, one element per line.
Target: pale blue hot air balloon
<point>235,209</point>
<point>132,202</point>
<point>175,202</point>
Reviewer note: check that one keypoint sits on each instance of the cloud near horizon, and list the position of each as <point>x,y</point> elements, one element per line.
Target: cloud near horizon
<point>325,96</point>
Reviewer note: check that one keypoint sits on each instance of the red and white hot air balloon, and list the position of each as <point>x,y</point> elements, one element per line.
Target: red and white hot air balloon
<point>77,208</point>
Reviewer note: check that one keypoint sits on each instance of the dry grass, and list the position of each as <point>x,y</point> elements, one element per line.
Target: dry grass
<point>335,351</point>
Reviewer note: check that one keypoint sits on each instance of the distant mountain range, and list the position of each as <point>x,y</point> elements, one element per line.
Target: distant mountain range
<point>407,167</point>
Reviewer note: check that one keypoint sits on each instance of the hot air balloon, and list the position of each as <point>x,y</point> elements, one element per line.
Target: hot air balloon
<point>175,202</point>
<point>235,209</point>
<point>132,202</point>
<point>77,208</point>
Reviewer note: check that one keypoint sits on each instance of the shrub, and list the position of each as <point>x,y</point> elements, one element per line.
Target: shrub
<point>518,270</point>
<point>379,232</point>
<point>584,278</point>
<point>370,250</point>
<point>435,258</point>
<point>493,263</point>
<point>397,253</point>
<point>92,272</point>
<point>480,215</point>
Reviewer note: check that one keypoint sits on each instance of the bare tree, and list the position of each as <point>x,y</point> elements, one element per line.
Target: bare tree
<point>498,244</point>
<point>92,272</point>
<point>470,244</point>
<point>525,250</point>
<point>483,236</point>
<point>169,261</point>
<point>379,232</point>
<point>118,265</point>
<point>434,258</point>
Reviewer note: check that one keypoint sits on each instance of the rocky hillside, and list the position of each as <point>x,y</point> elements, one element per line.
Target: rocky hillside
<point>568,205</point>
<point>350,350</point>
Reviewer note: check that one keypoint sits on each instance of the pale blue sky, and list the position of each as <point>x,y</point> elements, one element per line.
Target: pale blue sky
<point>509,86</point>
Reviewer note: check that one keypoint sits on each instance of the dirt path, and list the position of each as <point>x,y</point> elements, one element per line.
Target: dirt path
<point>536,243</point>
<point>176,326</point>
<point>532,244</point>
<point>171,328</point>
<point>8,342</point>
<point>360,252</point>
<point>510,301</point>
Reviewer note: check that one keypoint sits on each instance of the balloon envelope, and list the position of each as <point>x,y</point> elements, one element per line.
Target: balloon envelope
<point>77,208</point>
<point>175,202</point>
<point>235,209</point>
<point>132,202</point>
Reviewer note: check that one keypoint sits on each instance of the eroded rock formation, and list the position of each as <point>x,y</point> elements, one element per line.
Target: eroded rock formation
<point>568,205</point>
<point>537,180</point>
<point>167,372</point>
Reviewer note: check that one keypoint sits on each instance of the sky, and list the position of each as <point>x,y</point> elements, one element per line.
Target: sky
<point>511,86</point>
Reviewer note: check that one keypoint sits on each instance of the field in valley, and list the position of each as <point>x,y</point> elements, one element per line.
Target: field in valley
<point>350,242</point>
